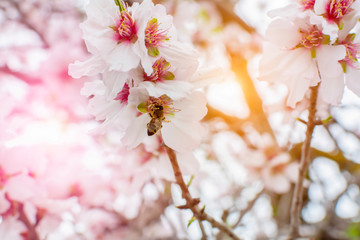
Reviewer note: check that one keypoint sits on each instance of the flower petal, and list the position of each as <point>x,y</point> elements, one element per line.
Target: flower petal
<point>136,131</point>
<point>123,58</point>
<point>275,33</point>
<point>320,7</point>
<point>192,108</point>
<point>328,57</point>
<point>331,89</point>
<point>93,88</point>
<point>182,136</point>
<point>353,80</point>
<point>90,67</point>
<point>174,89</point>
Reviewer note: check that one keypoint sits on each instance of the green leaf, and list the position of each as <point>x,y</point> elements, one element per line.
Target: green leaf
<point>191,221</point>
<point>168,76</point>
<point>142,107</point>
<point>190,181</point>
<point>327,120</point>
<point>353,231</point>
<point>153,51</point>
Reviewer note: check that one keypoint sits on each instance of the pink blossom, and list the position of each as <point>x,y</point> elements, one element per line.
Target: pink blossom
<point>180,127</point>
<point>335,10</point>
<point>329,90</point>
<point>300,58</point>
<point>307,4</point>
<point>128,35</point>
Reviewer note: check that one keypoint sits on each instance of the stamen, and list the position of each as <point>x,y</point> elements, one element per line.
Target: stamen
<point>154,36</point>
<point>311,38</point>
<point>125,29</point>
<point>352,52</point>
<point>337,9</point>
<point>307,4</point>
<point>164,101</point>
<point>160,72</point>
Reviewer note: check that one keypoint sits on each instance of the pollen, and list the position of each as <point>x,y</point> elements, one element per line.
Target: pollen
<point>352,53</point>
<point>307,4</point>
<point>160,71</point>
<point>337,9</point>
<point>125,29</point>
<point>154,35</point>
<point>164,101</point>
<point>311,38</point>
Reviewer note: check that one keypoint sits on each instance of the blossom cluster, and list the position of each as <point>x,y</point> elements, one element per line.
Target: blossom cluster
<point>147,84</point>
<point>313,42</point>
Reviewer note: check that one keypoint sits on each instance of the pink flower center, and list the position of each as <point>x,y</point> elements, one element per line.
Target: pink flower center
<point>307,4</point>
<point>123,95</point>
<point>337,9</point>
<point>311,38</point>
<point>160,71</point>
<point>125,29</point>
<point>352,52</point>
<point>154,36</point>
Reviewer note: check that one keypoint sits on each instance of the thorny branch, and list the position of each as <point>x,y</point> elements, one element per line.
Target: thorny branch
<point>192,203</point>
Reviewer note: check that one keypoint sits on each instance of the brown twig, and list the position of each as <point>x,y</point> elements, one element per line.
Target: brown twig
<point>24,77</point>
<point>23,19</point>
<point>32,234</point>
<point>304,164</point>
<point>248,208</point>
<point>192,203</point>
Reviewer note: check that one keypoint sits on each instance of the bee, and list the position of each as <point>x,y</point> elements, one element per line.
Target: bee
<point>157,116</point>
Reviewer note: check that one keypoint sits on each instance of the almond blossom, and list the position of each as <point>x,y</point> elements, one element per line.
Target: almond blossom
<point>122,36</point>
<point>294,59</point>
<point>147,77</point>
<point>180,130</point>
<point>318,47</point>
<point>337,11</point>
<point>330,89</point>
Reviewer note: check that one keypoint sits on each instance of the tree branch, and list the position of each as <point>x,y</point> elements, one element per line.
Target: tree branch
<point>32,234</point>
<point>248,208</point>
<point>304,164</point>
<point>23,19</point>
<point>192,203</point>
